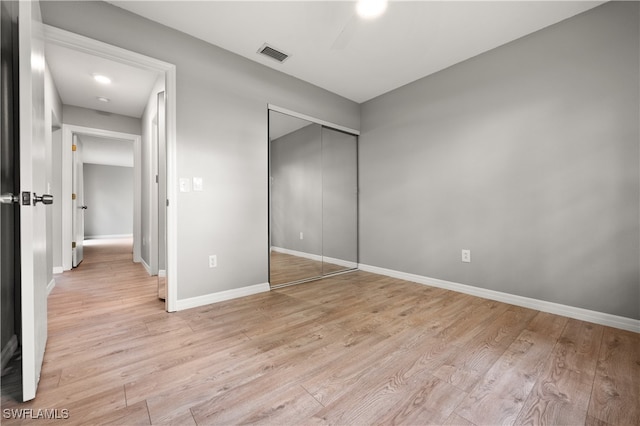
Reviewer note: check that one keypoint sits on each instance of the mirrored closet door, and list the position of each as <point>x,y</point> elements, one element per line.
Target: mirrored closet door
<point>313,200</point>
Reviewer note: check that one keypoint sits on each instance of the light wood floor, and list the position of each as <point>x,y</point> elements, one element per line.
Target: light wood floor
<point>356,349</point>
<point>286,268</point>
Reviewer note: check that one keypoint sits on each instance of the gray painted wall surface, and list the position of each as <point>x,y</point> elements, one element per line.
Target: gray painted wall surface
<point>100,120</point>
<point>56,191</point>
<point>53,117</point>
<point>528,155</point>
<point>221,136</point>
<point>108,194</point>
<point>148,170</point>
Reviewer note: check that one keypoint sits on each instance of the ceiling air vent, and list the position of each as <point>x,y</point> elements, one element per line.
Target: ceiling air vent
<point>273,53</point>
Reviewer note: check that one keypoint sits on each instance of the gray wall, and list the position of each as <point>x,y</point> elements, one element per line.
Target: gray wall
<point>221,136</point>
<point>527,155</point>
<point>53,121</point>
<point>148,170</point>
<point>79,116</point>
<point>296,190</point>
<point>108,194</point>
<point>56,191</point>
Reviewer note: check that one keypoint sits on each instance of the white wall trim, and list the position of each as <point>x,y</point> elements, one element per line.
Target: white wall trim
<point>313,119</point>
<point>525,302</point>
<point>104,50</point>
<point>316,257</point>
<point>8,351</point>
<point>146,266</point>
<point>58,269</point>
<point>50,286</point>
<point>340,262</point>
<point>107,237</point>
<point>221,296</point>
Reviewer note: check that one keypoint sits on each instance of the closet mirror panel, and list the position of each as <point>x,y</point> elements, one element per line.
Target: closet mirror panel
<point>339,201</point>
<point>313,202</point>
<point>296,199</point>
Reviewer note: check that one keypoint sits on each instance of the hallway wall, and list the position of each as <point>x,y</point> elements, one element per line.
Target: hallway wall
<point>108,193</point>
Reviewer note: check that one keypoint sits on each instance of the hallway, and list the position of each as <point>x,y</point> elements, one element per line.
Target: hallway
<point>103,308</point>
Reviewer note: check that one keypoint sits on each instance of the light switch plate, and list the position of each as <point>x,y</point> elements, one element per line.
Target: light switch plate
<point>197,184</point>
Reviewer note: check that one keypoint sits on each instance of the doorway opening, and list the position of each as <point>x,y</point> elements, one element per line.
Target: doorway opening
<point>149,204</point>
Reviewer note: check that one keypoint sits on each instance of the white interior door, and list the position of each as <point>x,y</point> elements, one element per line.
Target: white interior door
<point>78,206</point>
<point>33,267</point>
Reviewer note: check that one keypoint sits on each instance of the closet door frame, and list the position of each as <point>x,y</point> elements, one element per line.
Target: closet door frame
<point>323,123</point>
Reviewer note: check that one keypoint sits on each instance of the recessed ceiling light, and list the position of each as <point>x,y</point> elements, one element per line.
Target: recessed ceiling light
<point>102,79</point>
<point>103,99</point>
<point>369,9</point>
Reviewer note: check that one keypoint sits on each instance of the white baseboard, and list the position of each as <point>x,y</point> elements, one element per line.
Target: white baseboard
<point>221,296</point>
<point>58,269</point>
<point>8,351</point>
<point>50,286</point>
<point>107,237</point>
<point>316,257</point>
<point>162,273</point>
<point>602,318</point>
<point>340,262</point>
<point>146,266</point>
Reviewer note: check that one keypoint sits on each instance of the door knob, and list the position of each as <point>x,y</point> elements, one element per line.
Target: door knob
<point>44,199</point>
<point>8,199</point>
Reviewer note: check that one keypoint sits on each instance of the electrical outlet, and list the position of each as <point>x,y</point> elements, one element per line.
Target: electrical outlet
<point>213,261</point>
<point>466,256</point>
<point>302,235</point>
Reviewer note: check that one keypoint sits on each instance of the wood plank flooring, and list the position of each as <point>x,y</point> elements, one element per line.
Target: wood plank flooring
<point>355,349</point>
<point>286,268</point>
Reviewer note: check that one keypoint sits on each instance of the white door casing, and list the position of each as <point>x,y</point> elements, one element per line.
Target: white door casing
<point>33,250</point>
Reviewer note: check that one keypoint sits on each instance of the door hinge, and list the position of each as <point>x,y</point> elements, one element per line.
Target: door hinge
<point>74,147</point>
<point>73,196</point>
<point>73,245</point>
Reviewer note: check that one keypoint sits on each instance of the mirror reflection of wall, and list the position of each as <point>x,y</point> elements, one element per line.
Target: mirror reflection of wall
<point>313,200</point>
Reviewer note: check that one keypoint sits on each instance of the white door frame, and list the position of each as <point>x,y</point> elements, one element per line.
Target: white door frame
<point>114,53</point>
<point>68,130</point>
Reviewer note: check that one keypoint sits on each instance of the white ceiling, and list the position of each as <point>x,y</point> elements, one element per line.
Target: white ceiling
<point>72,72</point>
<point>411,40</point>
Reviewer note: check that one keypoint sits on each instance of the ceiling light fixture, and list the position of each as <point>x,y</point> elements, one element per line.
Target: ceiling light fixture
<point>370,9</point>
<point>102,79</point>
<point>103,99</point>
